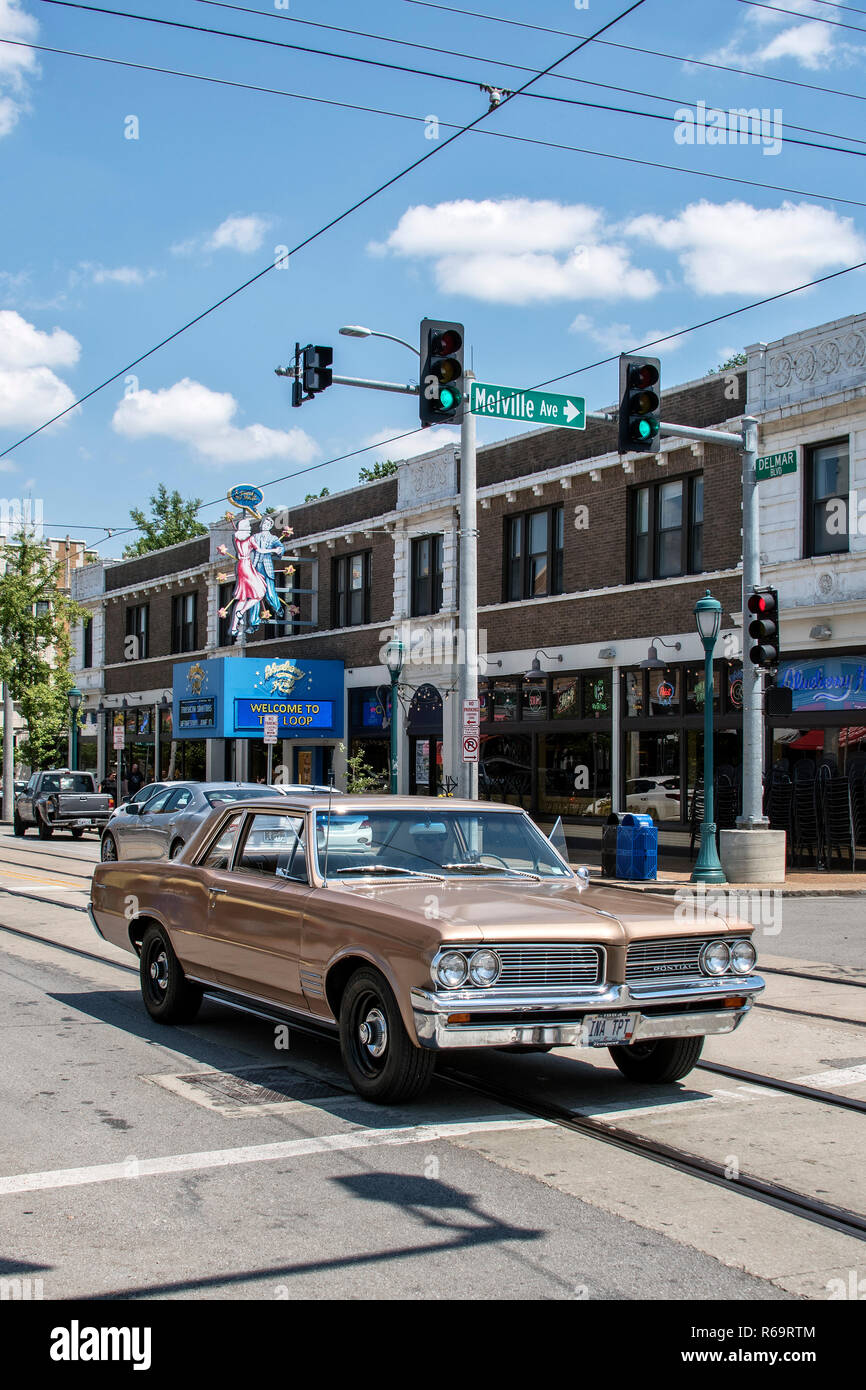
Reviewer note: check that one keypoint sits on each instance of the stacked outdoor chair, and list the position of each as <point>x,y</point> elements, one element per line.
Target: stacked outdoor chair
<point>807,822</point>
<point>837,828</point>
<point>727,802</point>
<point>857,782</point>
<point>779,808</point>
<point>696,816</point>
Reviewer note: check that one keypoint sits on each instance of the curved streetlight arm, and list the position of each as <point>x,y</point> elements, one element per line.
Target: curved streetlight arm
<point>374,333</point>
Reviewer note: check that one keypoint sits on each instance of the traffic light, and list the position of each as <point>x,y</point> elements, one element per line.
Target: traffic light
<point>764,627</point>
<point>442,390</point>
<point>317,369</point>
<point>639,393</point>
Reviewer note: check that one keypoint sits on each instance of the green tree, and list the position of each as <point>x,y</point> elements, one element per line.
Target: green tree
<point>314,496</point>
<point>35,646</point>
<point>382,468</point>
<point>360,776</point>
<point>171,520</point>
<point>736,359</point>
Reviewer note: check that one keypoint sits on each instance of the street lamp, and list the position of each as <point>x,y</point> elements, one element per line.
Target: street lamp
<point>74,698</point>
<point>356,330</point>
<point>708,616</point>
<point>394,653</point>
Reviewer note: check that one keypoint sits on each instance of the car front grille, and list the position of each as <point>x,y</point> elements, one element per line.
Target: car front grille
<point>650,960</point>
<point>550,967</point>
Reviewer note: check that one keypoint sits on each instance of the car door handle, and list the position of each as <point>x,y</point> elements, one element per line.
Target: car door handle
<point>218,890</point>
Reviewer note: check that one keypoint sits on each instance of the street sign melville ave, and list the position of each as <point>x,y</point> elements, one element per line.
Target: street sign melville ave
<point>539,407</point>
<point>775,465</point>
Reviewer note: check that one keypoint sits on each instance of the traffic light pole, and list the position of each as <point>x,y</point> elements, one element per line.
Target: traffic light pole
<point>467,773</point>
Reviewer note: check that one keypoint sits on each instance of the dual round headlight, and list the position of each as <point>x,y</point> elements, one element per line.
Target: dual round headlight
<point>482,968</point>
<point>720,957</point>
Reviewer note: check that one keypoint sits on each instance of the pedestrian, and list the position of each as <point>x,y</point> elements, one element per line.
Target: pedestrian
<point>136,781</point>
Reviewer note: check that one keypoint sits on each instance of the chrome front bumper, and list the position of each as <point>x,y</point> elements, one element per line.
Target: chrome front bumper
<point>557,1016</point>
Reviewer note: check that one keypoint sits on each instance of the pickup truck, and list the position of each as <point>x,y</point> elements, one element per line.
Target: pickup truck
<point>61,800</point>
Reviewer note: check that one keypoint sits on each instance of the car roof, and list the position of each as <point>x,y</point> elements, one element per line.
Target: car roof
<point>345,801</point>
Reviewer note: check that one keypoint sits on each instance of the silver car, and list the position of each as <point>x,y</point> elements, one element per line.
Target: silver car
<point>159,827</point>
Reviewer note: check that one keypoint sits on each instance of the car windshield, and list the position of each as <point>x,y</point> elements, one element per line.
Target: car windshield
<point>446,844</point>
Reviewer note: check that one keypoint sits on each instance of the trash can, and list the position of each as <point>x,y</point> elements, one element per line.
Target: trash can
<point>637,845</point>
<point>608,844</point>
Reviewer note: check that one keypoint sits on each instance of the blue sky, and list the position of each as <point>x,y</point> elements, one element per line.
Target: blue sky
<point>552,258</point>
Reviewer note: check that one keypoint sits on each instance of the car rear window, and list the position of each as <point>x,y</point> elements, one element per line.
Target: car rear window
<point>72,782</point>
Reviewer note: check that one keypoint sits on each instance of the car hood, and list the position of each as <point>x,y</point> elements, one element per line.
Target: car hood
<point>491,911</point>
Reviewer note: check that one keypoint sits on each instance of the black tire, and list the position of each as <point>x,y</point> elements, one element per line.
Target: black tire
<point>45,831</point>
<point>175,849</point>
<point>400,1071</point>
<point>108,850</point>
<point>663,1061</point>
<point>168,996</point>
<point>77,834</point>
<point>18,826</point>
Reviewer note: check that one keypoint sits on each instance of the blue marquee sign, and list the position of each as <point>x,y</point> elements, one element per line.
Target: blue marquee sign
<point>228,697</point>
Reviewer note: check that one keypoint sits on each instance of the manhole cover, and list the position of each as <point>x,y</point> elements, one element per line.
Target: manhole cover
<point>250,1090</point>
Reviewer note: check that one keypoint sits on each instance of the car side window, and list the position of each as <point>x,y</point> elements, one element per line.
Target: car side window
<point>274,848</point>
<point>159,802</point>
<point>178,800</point>
<point>220,853</point>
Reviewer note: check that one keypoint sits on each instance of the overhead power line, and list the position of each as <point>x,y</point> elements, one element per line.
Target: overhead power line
<point>414,72</point>
<point>498,62</point>
<point>320,231</point>
<point>643,52</point>
<point>807,18</point>
<point>445,125</point>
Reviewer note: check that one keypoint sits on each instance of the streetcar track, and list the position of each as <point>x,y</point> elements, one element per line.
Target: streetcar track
<point>794,1088</point>
<point>805,1013</point>
<point>821,979</point>
<point>694,1165</point>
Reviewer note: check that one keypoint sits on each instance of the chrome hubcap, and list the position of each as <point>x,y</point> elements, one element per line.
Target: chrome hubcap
<point>373,1033</point>
<point>159,970</point>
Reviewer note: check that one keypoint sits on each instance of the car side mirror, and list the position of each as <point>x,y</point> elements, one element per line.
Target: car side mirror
<point>133,809</point>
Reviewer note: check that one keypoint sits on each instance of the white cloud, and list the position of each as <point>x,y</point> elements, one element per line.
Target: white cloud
<point>243,234</point>
<point>424,443</point>
<point>519,251</point>
<point>16,64</point>
<point>192,414</point>
<point>117,275</point>
<point>736,248</point>
<point>621,337</point>
<point>809,43</point>
<point>30,392</point>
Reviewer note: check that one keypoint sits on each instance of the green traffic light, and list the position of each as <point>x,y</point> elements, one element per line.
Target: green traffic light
<point>643,429</point>
<point>449,399</point>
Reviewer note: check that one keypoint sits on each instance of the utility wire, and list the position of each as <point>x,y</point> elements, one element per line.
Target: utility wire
<point>498,62</point>
<point>415,72</point>
<point>445,125</point>
<point>333,222</point>
<point>808,18</point>
<point>643,52</point>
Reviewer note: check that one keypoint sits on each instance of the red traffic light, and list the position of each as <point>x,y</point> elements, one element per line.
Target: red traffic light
<point>446,343</point>
<point>644,375</point>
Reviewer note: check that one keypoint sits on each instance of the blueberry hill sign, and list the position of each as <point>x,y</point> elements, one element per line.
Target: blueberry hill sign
<point>539,407</point>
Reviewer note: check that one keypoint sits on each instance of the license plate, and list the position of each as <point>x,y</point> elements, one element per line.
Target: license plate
<point>608,1030</point>
<point>83,822</point>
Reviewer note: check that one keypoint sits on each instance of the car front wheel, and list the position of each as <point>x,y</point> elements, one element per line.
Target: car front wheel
<point>45,830</point>
<point>108,850</point>
<point>168,996</point>
<point>382,1062</point>
<point>18,826</point>
<point>667,1059</point>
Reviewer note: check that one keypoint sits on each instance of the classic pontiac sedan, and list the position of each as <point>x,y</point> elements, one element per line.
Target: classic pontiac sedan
<point>410,925</point>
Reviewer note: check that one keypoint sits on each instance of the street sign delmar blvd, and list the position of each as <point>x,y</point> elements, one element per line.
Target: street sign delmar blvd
<point>539,407</point>
<point>775,465</point>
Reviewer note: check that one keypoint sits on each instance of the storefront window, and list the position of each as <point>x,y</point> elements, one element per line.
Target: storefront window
<point>597,695</point>
<point>652,774</point>
<point>377,759</point>
<point>664,691</point>
<point>484,695</point>
<point>533,700</point>
<point>574,774</point>
<point>632,684</point>
<point>566,692</point>
<point>733,684</point>
<point>695,689</point>
<point>505,770</point>
<point>727,759</point>
<point>504,700</point>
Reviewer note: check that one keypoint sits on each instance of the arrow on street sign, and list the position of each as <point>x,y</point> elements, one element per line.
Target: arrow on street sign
<point>538,407</point>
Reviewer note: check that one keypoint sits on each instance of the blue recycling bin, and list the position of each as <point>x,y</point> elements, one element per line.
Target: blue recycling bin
<point>637,848</point>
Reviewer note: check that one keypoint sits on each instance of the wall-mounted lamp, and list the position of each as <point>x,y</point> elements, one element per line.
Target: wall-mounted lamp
<point>821,632</point>
<point>607,654</point>
<point>535,672</point>
<point>653,660</point>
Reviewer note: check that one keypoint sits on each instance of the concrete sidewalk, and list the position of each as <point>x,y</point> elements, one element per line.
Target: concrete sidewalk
<point>804,883</point>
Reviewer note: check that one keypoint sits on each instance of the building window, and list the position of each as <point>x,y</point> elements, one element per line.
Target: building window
<point>533,554</point>
<point>426,575</point>
<point>351,590</point>
<point>184,615</point>
<point>87,644</point>
<point>667,526</point>
<point>224,635</point>
<point>135,648</point>
<point>827,499</point>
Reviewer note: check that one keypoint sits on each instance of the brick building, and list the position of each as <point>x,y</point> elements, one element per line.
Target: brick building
<point>585,559</point>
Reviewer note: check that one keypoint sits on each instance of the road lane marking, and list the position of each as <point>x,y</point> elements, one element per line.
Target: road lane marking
<point>259,1153</point>
<point>844,1076</point>
<point>44,882</point>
